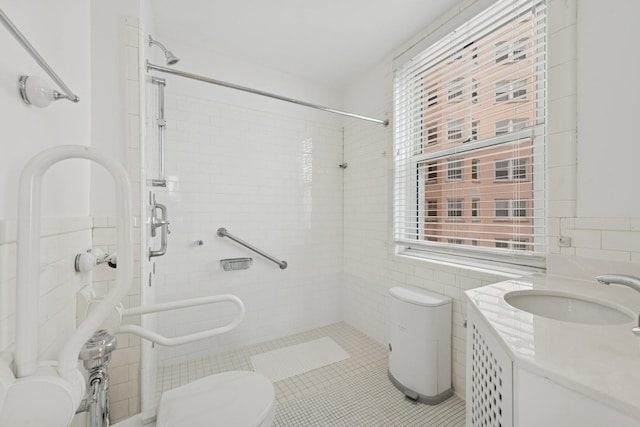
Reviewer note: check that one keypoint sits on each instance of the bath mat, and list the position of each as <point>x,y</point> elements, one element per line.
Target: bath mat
<point>297,359</point>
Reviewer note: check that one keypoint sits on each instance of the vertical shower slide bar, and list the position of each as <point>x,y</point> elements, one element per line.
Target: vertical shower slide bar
<point>161,181</point>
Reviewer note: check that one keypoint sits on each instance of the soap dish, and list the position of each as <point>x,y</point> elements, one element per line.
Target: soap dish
<point>232,264</point>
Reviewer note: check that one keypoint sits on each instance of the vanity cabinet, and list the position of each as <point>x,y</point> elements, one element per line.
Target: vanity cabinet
<point>502,394</point>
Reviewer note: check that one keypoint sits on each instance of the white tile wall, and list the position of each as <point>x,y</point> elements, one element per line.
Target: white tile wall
<point>370,267</point>
<point>61,240</point>
<point>271,180</point>
<point>124,368</point>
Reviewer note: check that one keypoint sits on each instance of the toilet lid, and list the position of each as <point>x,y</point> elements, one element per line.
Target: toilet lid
<point>236,398</point>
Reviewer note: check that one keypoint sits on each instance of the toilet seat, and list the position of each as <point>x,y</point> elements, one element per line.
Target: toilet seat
<point>236,398</point>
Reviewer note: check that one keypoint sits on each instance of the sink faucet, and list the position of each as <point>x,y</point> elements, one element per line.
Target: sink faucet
<point>622,279</point>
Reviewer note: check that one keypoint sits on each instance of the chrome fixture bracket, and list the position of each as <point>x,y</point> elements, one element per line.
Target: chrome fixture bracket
<point>22,40</point>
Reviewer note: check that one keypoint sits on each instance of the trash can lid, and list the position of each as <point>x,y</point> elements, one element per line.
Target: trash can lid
<point>419,296</point>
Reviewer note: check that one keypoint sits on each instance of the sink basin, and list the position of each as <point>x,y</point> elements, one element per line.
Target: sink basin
<point>568,307</point>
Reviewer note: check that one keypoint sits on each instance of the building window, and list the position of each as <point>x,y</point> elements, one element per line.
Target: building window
<point>502,170</point>
<point>432,133</point>
<point>519,52</point>
<point>432,173</point>
<point>502,91</point>
<point>519,169</point>
<point>511,209</point>
<point>502,243</point>
<point>454,130</point>
<point>502,208</point>
<point>511,170</point>
<point>474,169</point>
<point>454,208</point>
<point>499,125</point>
<point>454,241</point>
<point>454,91</point>
<point>454,170</point>
<point>502,52</point>
<point>432,97</point>
<point>511,91</point>
<point>432,210</point>
<point>475,208</point>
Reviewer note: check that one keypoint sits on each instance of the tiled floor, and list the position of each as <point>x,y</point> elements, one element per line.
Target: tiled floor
<point>352,392</point>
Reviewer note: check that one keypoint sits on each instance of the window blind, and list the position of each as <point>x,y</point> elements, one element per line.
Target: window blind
<point>469,135</point>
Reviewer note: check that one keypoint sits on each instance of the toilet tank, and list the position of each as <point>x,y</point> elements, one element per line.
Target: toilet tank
<point>420,343</point>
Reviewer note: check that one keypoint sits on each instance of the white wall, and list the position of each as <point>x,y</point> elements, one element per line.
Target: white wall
<point>605,234</point>
<point>60,32</point>
<point>608,93</point>
<point>114,95</point>
<point>27,130</point>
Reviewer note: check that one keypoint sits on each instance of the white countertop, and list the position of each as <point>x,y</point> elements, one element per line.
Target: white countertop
<point>601,362</point>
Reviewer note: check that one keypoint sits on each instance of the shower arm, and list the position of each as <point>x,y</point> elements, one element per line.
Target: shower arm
<point>167,70</point>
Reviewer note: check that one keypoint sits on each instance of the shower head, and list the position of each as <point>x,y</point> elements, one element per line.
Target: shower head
<point>171,58</point>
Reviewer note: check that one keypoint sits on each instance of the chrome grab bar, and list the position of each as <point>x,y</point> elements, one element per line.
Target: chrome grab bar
<point>67,93</point>
<point>222,232</point>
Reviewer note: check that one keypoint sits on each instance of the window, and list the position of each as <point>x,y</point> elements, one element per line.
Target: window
<point>520,50</point>
<point>491,71</point>
<point>511,91</point>
<point>432,97</point>
<point>511,51</point>
<point>511,209</point>
<point>454,130</point>
<point>502,208</point>
<point>454,170</point>
<point>432,172</point>
<point>511,170</point>
<point>454,208</point>
<point>502,52</point>
<point>432,210</point>
<point>502,170</point>
<point>454,92</point>
<point>474,169</point>
<point>502,243</point>
<point>432,133</point>
<point>475,207</point>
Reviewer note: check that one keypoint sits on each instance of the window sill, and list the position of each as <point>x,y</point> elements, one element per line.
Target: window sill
<point>509,271</point>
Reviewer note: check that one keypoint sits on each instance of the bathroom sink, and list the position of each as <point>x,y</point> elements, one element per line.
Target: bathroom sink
<point>568,307</point>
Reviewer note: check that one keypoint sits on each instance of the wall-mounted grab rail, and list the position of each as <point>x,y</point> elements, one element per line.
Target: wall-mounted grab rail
<point>173,305</point>
<point>28,265</point>
<point>68,94</point>
<point>222,232</point>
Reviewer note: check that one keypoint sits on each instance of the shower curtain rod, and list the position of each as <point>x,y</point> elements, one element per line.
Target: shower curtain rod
<point>151,66</point>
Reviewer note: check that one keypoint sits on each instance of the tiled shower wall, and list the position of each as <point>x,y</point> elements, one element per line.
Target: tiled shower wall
<point>273,181</point>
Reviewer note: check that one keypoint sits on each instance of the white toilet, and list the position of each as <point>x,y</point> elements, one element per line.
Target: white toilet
<point>230,399</point>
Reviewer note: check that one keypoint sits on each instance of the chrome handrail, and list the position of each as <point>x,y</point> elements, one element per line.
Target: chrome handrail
<point>222,232</point>
<point>67,93</point>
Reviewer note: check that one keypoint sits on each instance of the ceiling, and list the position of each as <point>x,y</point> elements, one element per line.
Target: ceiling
<point>326,41</point>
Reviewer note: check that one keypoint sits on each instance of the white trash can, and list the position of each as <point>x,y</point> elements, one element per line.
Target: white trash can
<point>420,344</point>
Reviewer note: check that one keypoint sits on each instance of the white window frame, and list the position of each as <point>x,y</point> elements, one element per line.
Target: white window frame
<point>436,251</point>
